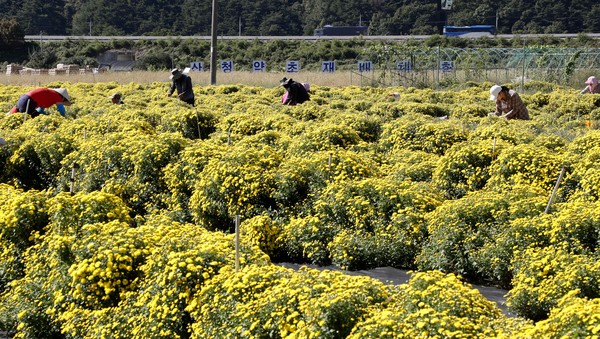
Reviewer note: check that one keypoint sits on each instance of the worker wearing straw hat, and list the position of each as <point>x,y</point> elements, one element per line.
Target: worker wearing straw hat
<point>34,101</point>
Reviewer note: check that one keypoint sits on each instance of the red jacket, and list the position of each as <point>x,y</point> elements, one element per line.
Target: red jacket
<point>45,97</point>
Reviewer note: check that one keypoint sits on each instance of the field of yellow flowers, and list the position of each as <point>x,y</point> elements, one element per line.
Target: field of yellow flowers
<point>143,246</point>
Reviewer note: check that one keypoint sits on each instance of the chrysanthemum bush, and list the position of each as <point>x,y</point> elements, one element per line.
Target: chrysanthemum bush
<point>433,305</point>
<point>181,261</point>
<point>528,165</point>
<point>129,166</point>
<point>325,137</point>
<point>361,224</point>
<point>419,132</point>
<point>69,213</point>
<point>22,215</point>
<point>548,274</point>
<point>251,121</point>
<point>469,110</point>
<point>181,175</point>
<point>491,128</point>
<point>353,178</point>
<point>28,303</point>
<point>477,234</point>
<point>465,167</point>
<point>37,160</point>
<point>262,231</point>
<point>111,279</point>
<point>241,183</point>
<point>574,317</point>
<point>458,228</point>
<point>276,302</point>
<point>410,165</point>
<point>367,127</point>
<point>586,174</point>
<point>191,122</point>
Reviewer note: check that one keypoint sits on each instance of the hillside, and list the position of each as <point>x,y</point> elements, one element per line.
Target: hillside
<point>294,17</point>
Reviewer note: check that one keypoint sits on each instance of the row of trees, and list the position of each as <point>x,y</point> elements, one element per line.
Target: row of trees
<point>164,54</point>
<point>294,17</point>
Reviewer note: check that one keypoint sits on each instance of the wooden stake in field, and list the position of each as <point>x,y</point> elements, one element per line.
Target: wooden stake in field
<point>73,168</point>
<point>198,124</point>
<point>562,172</point>
<point>237,242</point>
<point>26,111</point>
<point>229,135</point>
<point>329,168</point>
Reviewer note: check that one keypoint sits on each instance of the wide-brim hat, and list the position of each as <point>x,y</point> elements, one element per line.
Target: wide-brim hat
<point>284,81</point>
<point>494,91</point>
<point>591,80</point>
<point>63,93</point>
<point>115,95</point>
<point>175,74</point>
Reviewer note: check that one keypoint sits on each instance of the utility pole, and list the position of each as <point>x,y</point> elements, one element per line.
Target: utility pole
<point>90,26</point>
<point>441,17</point>
<point>213,45</point>
<point>497,16</point>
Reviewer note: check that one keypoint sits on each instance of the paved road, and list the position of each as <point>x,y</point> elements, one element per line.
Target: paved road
<point>397,276</point>
<point>299,37</point>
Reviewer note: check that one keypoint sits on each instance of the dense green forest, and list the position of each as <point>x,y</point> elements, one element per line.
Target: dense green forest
<point>295,17</point>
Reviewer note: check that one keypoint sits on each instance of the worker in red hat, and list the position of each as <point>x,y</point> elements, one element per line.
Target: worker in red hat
<point>34,101</point>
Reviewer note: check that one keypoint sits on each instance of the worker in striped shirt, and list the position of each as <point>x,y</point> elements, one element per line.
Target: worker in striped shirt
<point>508,103</point>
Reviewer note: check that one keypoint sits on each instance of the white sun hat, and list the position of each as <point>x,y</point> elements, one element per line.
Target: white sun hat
<point>494,91</point>
<point>63,92</point>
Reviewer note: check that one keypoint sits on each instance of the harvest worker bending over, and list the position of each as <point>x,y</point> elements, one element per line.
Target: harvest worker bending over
<point>508,103</point>
<point>34,101</point>
<point>296,93</point>
<point>183,84</point>
<point>591,86</point>
<point>115,98</point>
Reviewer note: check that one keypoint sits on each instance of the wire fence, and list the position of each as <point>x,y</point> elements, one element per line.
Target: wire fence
<point>424,67</point>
